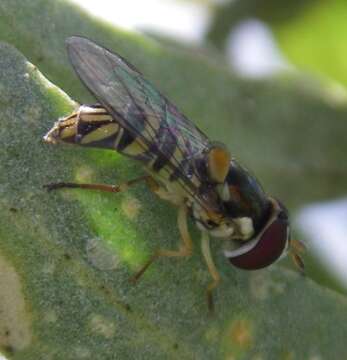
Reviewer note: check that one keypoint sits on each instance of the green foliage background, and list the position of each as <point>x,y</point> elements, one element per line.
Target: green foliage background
<point>65,258</point>
<point>311,33</point>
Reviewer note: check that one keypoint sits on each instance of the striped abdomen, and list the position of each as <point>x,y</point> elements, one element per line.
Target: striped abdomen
<point>92,125</point>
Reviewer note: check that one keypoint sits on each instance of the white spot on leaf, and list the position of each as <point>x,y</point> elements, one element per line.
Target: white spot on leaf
<point>102,326</point>
<point>15,321</point>
<point>101,255</point>
<point>131,207</point>
<point>262,285</point>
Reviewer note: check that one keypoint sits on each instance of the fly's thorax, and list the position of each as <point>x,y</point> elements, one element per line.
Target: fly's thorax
<point>229,187</point>
<point>242,199</point>
<point>237,206</point>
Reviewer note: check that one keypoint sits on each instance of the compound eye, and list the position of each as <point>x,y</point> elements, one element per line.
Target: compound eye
<point>268,247</point>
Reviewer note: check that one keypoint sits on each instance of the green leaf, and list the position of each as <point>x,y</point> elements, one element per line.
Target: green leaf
<point>311,33</point>
<point>66,257</point>
<point>229,14</point>
<point>315,39</point>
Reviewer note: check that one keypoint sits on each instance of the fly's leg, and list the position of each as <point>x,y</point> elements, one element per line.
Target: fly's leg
<point>205,247</point>
<point>185,249</point>
<point>101,187</point>
<point>294,250</point>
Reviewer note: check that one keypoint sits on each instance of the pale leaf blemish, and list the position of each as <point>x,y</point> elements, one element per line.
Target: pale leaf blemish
<point>258,357</point>
<point>131,207</point>
<point>262,285</point>
<point>230,357</point>
<point>240,333</point>
<point>84,174</point>
<point>32,113</point>
<point>100,325</point>
<point>212,335</point>
<point>288,355</point>
<point>49,268</point>
<point>259,284</point>
<point>82,353</point>
<point>50,317</point>
<point>100,255</point>
<point>315,357</point>
<point>15,321</point>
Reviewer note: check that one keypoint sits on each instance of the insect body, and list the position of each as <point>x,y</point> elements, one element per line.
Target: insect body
<point>183,166</point>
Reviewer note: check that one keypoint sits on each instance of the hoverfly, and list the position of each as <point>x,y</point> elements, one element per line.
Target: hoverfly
<point>183,166</point>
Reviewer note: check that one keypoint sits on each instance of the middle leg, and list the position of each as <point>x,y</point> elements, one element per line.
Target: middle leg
<point>185,249</point>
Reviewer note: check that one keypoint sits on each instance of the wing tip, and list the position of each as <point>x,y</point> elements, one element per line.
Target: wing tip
<point>71,40</point>
<point>76,41</point>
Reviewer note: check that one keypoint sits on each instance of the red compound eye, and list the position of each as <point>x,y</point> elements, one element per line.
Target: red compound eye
<point>267,247</point>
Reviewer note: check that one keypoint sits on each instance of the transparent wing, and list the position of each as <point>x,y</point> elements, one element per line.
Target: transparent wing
<point>139,107</point>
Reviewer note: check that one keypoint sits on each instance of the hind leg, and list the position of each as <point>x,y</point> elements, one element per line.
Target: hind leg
<point>101,187</point>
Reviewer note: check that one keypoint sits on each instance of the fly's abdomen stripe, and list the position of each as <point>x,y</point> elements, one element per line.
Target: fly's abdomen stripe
<point>95,127</point>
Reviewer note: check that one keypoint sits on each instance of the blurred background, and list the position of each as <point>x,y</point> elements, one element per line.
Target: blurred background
<point>259,39</point>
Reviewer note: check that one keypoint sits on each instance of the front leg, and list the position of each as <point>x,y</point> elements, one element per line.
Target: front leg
<point>206,251</point>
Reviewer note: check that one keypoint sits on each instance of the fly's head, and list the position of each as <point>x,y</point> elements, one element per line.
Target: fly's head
<point>256,227</point>
<point>228,216</point>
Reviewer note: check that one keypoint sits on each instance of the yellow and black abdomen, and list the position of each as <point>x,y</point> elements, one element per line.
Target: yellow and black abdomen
<point>93,126</point>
